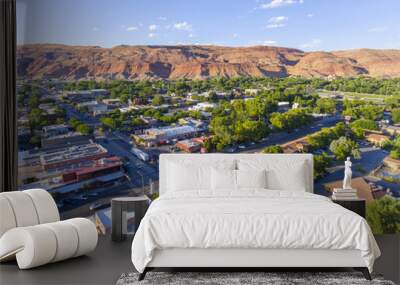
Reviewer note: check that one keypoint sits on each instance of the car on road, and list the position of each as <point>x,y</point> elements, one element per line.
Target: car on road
<point>231,149</point>
<point>99,206</point>
<point>242,146</point>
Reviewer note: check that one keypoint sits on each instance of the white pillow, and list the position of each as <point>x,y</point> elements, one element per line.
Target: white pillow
<point>182,177</point>
<point>282,174</point>
<point>294,179</point>
<point>223,179</point>
<point>251,179</point>
<point>188,175</point>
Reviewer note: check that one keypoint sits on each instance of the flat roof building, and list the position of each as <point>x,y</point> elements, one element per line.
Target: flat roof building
<point>161,135</point>
<point>202,106</point>
<point>188,146</point>
<point>64,140</point>
<point>59,157</point>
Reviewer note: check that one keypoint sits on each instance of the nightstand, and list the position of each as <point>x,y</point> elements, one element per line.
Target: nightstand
<point>355,205</point>
<point>126,214</point>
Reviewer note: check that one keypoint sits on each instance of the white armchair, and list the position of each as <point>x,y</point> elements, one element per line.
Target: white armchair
<point>31,230</point>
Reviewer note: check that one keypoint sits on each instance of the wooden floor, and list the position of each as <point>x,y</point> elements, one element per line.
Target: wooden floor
<point>111,259</point>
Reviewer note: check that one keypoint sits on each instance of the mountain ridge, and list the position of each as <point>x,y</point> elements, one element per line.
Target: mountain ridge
<point>65,62</point>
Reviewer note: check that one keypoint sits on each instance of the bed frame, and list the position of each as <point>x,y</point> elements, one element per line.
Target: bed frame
<point>249,259</point>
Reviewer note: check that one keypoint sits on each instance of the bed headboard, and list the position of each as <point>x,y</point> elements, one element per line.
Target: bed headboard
<point>214,157</point>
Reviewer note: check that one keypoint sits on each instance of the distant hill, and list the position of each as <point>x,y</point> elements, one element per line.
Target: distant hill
<point>198,62</point>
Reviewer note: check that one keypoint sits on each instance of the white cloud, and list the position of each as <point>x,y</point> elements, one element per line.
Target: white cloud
<point>235,35</point>
<point>153,27</point>
<point>184,26</point>
<point>377,29</point>
<point>277,22</point>
<point>280,3</point>
<point>132,28</point>
<point>270,43</point>
<point>161,18</point>
<point>191,35</point>
<point>314,43</point>
<point>151,35</point>
<point>96,29</point>
<point>310,15</point>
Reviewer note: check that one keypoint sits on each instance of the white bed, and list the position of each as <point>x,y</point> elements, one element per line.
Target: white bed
<point>283,224</point>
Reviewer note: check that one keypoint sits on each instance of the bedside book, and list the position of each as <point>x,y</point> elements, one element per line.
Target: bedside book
<point>344,194</point>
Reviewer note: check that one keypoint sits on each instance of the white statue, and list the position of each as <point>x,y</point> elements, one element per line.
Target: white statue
<point>347,174</point>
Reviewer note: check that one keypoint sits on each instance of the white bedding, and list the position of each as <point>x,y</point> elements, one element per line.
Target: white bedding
<point>250,219</point>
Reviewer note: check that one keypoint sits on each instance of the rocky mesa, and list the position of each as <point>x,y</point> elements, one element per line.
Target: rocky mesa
<point>41,61</point>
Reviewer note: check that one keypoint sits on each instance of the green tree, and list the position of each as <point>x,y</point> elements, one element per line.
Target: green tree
<point>33,101</point>
<point>273,149</point>
<point>74,122</point>
<point>383,215</point>
<point>325,105</point>
<point>396,115</point>
<point>321,163</point>
<point>395,153</point>
<point>109,122</point>
<point>344,147</point>
<point>359,126</point>
<point>325,136</point>
<point>157,100</point>
<point>35,141</point>
<point>84,129</point>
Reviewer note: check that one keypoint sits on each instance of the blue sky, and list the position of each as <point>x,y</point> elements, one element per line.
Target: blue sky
<point>303,24</point>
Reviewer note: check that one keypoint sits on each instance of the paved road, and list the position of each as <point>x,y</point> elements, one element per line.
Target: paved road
<point>118,144</point>
<point>280,138</point>
<point>139,171</point>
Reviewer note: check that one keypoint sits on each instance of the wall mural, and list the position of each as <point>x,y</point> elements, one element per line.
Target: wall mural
<point>104,89</point>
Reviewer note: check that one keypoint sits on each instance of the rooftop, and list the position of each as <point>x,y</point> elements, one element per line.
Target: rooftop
<point>55,127</point>
<point>365,190</point>
<point>172,130</point>
<point>73,152</point>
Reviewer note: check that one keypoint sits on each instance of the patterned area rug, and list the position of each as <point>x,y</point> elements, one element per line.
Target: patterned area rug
<point>244,278</point>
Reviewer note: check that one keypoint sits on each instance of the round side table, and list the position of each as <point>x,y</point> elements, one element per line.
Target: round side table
<point>126,214</point>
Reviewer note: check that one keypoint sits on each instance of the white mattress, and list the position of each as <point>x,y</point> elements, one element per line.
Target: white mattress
<point>253,219</point>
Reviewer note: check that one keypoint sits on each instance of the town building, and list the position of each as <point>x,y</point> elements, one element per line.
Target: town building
<point>51,159</point>
<point>391,130</point>
<point>377,139</point>
<point>392,163</point>
<point>63,140</point>
<point>191,122</point>
<point>92,169</point>
<point>82,176</point>
<point>189,145</point>
<point>163,135</point>
<point>55,130</point>
<point>283,106</point>
<point>251,91</point>
<point>112,103</point>
<point>94,107</point>
<point>85,95</point>
<point>202,106</point>
<point>296,146</point>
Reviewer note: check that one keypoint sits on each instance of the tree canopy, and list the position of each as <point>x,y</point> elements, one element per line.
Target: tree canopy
<point>383,215</point>
<point>344,147</point>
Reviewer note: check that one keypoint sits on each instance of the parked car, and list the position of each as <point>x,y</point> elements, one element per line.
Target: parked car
<point>99,205</point>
